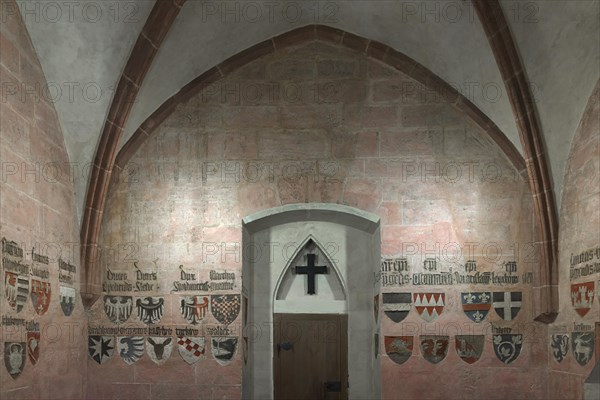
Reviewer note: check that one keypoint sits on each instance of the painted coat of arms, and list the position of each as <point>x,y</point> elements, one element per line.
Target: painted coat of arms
<point>194,308</point>
<point>118,308</point>
<point>507,304</point>
<point>33,346</point>
<point>583,346</point>
<point>191,349</point>
<point>159,348</point>
<point>582,297</point>
<point>476,305</point>
<point>131,348</point>
<point>67,300</point>
<point>429,305</point>
<point>508,346</point>
<point>40,296</point>
<point>101,348</point>
<point>150,309</point>
<point>223,348</point>
<point>225,308</point>
<point>559,344</point>
<point>398,348</point>
<point>14,358</point>
<point>469,347</point>
<point>16,290</point>
<point>434,348</point>
<point>396,305</point>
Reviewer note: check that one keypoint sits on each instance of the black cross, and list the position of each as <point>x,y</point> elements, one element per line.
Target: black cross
<point>311,270</point>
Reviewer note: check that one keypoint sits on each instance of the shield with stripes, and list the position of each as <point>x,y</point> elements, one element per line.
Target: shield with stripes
<point>16,290</point>
<point>396,305</point>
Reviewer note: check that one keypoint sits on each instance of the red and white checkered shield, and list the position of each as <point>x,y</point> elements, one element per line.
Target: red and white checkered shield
<point>191,349</point>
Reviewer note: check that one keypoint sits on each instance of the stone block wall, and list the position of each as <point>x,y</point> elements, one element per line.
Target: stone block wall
<point>579,261</point>
<point>320,123</point>
<point>38,216</point>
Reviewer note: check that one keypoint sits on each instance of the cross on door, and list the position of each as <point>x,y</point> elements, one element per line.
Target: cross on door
<point>310,271</point>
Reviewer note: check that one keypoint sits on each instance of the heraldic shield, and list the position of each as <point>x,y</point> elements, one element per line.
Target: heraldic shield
<point>429,305</point>
<point>194,308</point>
<point>507,304</point>
<point>67,300</point>
<point>131,348</point>
<point>191,349</point>
<point>40,296</point>
<point>559,344</point>
<point>16,290</point>
<point>476,305</point>
<point>582,297</point>
<point>396,305</point>
<point>508,347</point>
<point>583,346</point>
<point>118,308</point>
<point>434,348</point>
<point>101,348</point>
<point>398,348</point>
<point>469,347</point>
<point>225,308</point>
<point>159,348</point>
<point>223,348</point>
<point>150,309</point>
<point>14,358</point>
<point>33,346</point>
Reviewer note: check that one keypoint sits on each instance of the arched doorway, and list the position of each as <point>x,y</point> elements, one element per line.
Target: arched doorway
<point>345,242</point>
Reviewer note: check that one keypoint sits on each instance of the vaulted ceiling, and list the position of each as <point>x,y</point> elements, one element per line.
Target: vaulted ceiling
<point>559,43</point>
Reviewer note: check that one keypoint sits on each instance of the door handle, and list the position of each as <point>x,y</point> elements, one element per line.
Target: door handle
<point>286,346</point>
<point>333,386</point>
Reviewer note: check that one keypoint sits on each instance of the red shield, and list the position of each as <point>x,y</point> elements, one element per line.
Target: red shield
<point>33,346</point>
<point>582,297</point>
<point>429,305</point>
<point>40,296</point>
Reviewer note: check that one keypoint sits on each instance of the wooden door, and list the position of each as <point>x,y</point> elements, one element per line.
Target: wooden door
<point>310,359</point>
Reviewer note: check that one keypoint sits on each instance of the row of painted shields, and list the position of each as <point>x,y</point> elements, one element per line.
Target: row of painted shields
<point>469,348</point>
<point>159,348</point>
<point>225,308</point>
